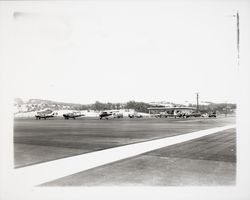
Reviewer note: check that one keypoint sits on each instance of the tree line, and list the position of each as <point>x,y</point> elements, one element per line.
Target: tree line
<point>137,106</point>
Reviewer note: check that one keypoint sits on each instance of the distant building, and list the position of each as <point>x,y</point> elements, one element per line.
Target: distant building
<point>171,111</point>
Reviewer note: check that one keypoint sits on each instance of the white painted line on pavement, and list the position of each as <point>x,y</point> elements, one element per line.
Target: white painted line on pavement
<point>41,173</point>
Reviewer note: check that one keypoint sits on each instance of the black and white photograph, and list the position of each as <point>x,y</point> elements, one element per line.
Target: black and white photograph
<point>124,99</point>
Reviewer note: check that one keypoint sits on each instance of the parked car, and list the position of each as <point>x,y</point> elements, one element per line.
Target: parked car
<point>192,115</point>
<point>137,115</point>
<point>118,115</point>
<point>213,114</point>
<point>204,115</point>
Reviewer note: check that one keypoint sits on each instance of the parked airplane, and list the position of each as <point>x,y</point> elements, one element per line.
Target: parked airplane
<point>45,114</point>
<point>72,115</point>
<point>111,113</point>
<point>105,115</point>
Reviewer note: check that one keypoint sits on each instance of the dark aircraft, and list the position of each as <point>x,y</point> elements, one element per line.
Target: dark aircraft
<point>72,115</point>
<point>45,114</point>
<point>105,115</point>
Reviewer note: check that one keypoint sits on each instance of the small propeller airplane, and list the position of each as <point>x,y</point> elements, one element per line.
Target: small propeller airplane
<point>73,115</point>
<point>105,114</point>
<point>45,114</point>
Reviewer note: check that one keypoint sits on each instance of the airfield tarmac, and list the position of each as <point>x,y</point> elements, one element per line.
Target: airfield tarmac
<point>210,160</point>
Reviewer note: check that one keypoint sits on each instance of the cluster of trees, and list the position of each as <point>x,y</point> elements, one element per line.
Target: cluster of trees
<point>137,106</point>
<point>100,106</point>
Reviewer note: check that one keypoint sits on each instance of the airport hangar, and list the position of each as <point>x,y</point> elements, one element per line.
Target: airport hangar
<point>170,110</point>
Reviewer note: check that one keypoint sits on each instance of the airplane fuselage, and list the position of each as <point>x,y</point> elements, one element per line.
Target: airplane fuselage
<point>68,116</point>
<point>43,116</point>
<point>105,115</point>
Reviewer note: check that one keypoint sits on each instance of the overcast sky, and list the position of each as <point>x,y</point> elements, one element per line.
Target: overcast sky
<point>111,51</point>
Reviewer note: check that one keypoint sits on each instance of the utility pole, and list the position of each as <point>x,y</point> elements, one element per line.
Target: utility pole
<point>197,102</point>
<point>238,37</point>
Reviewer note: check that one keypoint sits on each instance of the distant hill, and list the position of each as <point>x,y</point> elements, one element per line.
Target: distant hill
<point>41,104</point>
<point>41,101</point>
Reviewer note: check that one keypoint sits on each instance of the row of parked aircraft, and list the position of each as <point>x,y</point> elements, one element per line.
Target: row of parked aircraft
<point>73,115</point>
<point>106,114</point>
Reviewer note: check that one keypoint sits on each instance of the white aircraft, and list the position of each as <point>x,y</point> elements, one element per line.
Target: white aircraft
<point>45,114</point>
<point>113,113</point>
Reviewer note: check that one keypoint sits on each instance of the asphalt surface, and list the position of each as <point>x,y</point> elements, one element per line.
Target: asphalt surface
<point>37,141</point>
<point>206,161</point>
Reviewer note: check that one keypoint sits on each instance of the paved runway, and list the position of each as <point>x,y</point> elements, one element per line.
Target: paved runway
<point>37,141</point>
<point>210,160</point>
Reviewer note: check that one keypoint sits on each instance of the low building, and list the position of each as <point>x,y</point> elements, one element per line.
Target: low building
<point>170,111</point>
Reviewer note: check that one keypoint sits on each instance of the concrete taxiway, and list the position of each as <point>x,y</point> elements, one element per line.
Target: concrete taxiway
<point>209,160</point>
